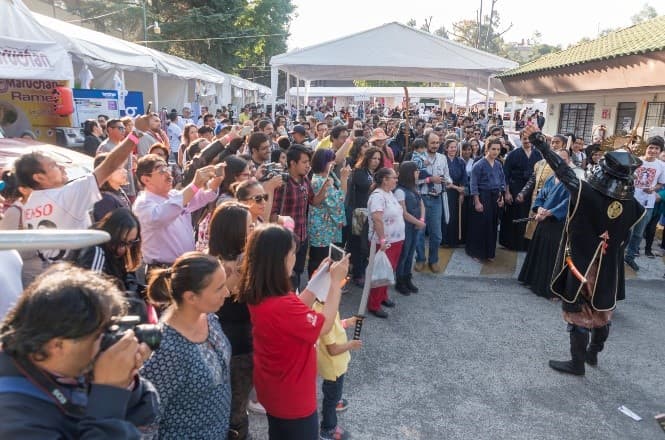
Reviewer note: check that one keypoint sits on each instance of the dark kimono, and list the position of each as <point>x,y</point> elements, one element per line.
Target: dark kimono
<point>518,168</point>
<point>453,232</point>
<point>488,183</point>
<point>539,263</point>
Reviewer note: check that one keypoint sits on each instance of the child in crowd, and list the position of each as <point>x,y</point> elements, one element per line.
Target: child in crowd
<point>333,359</point>
<point>422,161</point>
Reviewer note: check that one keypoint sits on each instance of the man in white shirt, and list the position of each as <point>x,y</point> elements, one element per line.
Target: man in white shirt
<point>649,179</point>
<point>59,204</point>
<point>174,132</point>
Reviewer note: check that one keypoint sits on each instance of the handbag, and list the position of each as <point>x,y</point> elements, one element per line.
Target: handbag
<point>359,225</point>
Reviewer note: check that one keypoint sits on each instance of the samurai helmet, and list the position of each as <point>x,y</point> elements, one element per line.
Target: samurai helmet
<point>613,176</point>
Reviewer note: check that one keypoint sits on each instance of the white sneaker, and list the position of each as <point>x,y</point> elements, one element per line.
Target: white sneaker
<point>255,407</point>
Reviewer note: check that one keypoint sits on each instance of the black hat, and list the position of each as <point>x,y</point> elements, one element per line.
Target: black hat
<point>613,176</point>
<point>299,129</point>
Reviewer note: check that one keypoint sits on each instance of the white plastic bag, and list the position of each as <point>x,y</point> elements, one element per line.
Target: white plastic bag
<point>382,272</point>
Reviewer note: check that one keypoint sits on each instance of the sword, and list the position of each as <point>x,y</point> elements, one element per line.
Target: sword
<point>524,220</point>
<point>366,288</point>
<point>26,240</point>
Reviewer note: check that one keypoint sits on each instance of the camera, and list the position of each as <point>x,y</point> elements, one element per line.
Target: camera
<point>148,333</point>
<point>273,169</point>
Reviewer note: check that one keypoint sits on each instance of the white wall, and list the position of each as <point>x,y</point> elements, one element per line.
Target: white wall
<point>601,102</point>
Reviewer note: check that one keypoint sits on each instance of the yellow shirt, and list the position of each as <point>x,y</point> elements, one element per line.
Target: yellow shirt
<point>325,143</point>
<point>243,117</point>
<point>331,367</point>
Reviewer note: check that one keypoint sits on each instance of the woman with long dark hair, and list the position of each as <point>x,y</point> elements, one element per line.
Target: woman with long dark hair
<point>487,186</point>
<point>191,368</point>
<point>189,134</point>
<point>93,133</point>
<point>362,178</point>
<point>325,222</point>
<point>230,225</point>
<point>285,331</point>
<point>414,223</point>
<point>453,230</point>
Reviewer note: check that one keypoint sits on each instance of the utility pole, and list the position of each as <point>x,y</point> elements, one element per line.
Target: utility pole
<point>145,26</point>
<point>480,24</point>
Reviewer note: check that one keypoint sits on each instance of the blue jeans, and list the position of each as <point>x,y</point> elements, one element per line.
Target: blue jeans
<point>433,211</point>
<point>411,237</point>
<point>332,393</point>
<point>636,236</point>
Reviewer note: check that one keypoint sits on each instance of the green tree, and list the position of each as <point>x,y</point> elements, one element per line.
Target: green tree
<point>646,13</point>
<point>235,36</point>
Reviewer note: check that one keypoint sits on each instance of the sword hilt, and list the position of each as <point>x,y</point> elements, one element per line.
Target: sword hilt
<point>358,328</point>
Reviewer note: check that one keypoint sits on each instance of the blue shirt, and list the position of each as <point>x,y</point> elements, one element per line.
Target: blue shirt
<point>554,197</point>
<point>485,177</point>
<point>457,170</point>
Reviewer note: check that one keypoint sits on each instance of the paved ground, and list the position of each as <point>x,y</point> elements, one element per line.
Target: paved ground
<point>467,359</point>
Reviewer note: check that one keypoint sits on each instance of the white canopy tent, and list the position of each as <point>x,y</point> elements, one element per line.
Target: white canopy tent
<point>447,93</point>
<point>395,52</point>
<point>26,50</point>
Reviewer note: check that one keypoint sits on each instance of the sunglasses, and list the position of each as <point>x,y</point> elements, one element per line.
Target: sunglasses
<point>161,170</point>
<point>259,198</point>
<point>129,243</point>
<point>119,127</point>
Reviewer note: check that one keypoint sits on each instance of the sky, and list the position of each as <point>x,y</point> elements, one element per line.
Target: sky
<point>559,21</point>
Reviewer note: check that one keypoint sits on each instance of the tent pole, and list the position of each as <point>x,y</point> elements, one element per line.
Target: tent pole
<point>512,112</point>
<point>155,91</point>
<point>287,94</point>
<point>468,99</point>
<point>298,94</point>
<point>454,96</point>
<point>274,82</point>
<point>487,94</point>
<point>308,83</point>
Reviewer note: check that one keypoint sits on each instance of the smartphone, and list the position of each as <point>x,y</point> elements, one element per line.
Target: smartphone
<point>335,253</point>
<point>219,169</point>
<point>147,110</point>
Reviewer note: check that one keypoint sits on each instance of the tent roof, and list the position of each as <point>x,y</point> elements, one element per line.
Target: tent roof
<point>385,92</point>
<point>26,50</point>
<point>392,51</point>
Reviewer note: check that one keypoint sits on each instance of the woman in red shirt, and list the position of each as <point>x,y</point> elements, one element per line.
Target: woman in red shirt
<point>285,330</point>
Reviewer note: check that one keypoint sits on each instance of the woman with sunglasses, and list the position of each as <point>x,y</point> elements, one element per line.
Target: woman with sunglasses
<point>119,258</point>
<point>253,194</point>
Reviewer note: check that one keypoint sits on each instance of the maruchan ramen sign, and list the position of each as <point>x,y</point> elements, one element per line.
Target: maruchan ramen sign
<point>34,105</point>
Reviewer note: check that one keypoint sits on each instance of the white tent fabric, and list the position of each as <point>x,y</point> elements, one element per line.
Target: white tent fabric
<point>26,50</point>
<point>397,92</point>
<point>395,52</point>
<point>392,51</point>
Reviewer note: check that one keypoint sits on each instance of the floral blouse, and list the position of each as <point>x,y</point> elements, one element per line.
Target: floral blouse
<point>325,222</point>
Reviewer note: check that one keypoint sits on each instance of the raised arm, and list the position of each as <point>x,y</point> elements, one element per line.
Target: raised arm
<point>561,169</point>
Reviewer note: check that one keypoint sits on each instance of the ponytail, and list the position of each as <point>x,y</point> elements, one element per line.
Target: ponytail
<point>159,286</point>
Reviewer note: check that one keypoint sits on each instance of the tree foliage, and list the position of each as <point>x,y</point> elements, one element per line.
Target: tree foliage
<point>234,36</point>
<point>646,13</point>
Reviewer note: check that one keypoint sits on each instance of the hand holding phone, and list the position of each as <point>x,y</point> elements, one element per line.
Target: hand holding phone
<point>147,110</point>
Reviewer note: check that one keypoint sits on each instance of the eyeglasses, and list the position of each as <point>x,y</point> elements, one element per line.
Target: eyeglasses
<point>164,169</point>
<point>258,198</point>
<point>129,243</point>
<point>119,127</point>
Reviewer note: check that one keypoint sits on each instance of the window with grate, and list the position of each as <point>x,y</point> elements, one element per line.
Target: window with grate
<point>577,119</point>
<point>655,117</point>
<point>625,118</point>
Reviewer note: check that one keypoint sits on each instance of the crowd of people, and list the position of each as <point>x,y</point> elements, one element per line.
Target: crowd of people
<point>213,226</point>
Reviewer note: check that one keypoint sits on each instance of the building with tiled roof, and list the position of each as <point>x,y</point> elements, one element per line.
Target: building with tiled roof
<point>611,81</point>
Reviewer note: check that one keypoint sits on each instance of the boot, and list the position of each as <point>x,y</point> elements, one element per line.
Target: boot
<point>408,280</point>
<point>598,337</point>
<point>401,287</point>
<point>579,339</point>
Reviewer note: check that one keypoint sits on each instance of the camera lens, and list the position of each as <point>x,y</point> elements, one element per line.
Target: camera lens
<point>150,334</point>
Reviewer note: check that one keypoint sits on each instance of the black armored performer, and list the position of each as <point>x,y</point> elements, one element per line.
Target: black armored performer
<point>589,272</point>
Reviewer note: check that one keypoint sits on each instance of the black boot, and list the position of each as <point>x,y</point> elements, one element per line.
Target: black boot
<point>579,339</point>
<point>409,284</point>
<point>598,337</point>
<point>401,287</point>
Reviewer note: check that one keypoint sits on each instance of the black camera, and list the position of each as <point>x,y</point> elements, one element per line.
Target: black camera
<point>148,333</point>
<point>274,169</point>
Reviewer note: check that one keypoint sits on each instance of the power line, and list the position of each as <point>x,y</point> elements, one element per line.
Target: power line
<point>211,38</point>
<point>97,17</point>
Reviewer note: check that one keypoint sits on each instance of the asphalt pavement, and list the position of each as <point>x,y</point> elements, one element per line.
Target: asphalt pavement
<point>467,359</point>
